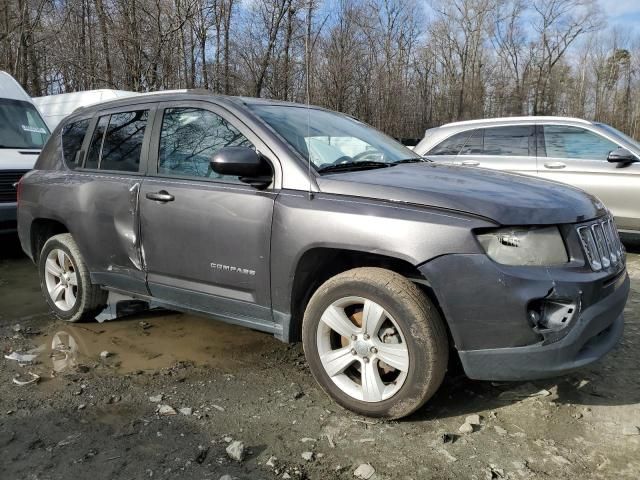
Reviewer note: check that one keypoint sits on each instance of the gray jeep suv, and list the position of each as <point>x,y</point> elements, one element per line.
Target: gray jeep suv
<point>310,225</point>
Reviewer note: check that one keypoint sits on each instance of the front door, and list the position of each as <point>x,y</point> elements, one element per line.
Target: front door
<point>578,156</point>
<point>206,237</point>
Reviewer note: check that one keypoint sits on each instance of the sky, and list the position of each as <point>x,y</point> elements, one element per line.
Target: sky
<point>622,12</point>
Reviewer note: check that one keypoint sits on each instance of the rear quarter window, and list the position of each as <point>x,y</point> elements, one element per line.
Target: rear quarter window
<point>452,145</point>
<point>72,138</point>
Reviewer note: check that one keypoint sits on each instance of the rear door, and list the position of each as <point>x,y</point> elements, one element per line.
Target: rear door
<point>206,237</point>
<point>578,156</point>
<point>510,148</point>
<point>107,182</point>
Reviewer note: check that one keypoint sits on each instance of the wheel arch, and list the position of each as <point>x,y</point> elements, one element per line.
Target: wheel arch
<point>318,264</point>
<point>42,229</point>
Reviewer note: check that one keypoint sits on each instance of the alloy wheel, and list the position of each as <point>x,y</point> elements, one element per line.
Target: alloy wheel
<point>61,279</point>
<point>362,349</point>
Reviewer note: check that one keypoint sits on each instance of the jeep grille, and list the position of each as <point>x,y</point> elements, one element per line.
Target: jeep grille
<point>601,244</point>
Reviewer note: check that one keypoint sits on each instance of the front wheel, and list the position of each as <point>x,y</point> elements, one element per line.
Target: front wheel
<point>65,281</point>
<point>375,342</point>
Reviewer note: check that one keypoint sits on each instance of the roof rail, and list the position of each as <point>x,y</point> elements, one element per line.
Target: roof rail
<point>519,119</point>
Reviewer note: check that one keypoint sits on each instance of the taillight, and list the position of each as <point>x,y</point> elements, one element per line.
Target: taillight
<point>18,190</point>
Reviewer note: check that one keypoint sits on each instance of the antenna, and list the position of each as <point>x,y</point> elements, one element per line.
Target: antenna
<point>308,93</point>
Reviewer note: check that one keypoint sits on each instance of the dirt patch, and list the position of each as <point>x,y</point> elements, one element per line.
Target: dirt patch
<point>95,417</point>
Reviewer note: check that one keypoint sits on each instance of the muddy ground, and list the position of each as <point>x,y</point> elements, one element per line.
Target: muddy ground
<point>90,417</point>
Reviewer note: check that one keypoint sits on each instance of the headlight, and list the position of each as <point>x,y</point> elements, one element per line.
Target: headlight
<point>525,246</point>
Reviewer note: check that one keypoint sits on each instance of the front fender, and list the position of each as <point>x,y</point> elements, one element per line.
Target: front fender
<point>406,232</point>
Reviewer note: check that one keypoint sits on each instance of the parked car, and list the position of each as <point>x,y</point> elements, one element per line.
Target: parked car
<point>310,225</point>
<point>22,135</point>
<point>590,155</point>
<point>55,107</point>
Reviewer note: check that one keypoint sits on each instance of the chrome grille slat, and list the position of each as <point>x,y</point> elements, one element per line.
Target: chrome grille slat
<point>611,243</point>
<point>601,244</point>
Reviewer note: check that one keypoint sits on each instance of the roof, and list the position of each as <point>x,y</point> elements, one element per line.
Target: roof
<point>11,89</point>
<point>181,95</point>
<point>518,119</point>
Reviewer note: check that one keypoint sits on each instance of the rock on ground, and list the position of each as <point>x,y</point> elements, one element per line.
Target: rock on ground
<point>235,450</point>
<point>364,471</point>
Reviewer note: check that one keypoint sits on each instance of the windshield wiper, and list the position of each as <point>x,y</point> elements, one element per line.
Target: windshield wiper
<point>347,166</point>
<point>411,160</point>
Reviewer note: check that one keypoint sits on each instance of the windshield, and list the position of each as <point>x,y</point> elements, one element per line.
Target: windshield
<point>619,134</point>
<point>21,125</point>
<point>333,141</point>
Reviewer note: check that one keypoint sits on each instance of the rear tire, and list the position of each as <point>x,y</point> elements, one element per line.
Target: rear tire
<point>375,343</point>
<point>65,281</point>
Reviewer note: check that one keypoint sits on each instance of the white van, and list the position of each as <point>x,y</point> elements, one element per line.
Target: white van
<point>55,107</point>
<point>23,133</point>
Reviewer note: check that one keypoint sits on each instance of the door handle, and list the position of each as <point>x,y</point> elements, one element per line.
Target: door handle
<point>470,163</point>
<point>162,196</point>
<point>555,165</point>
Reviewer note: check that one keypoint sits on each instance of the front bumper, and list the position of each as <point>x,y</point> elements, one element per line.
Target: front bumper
<point>8,216</point>
<point>485,305</point>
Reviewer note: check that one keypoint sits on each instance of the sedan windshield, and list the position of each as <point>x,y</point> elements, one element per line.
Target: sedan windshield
<point>21,125</point>
<point>333,142</point>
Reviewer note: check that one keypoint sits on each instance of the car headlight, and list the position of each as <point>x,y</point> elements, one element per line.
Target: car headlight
<point>539,246</point>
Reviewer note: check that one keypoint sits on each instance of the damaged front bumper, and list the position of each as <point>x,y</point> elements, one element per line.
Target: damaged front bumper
<point>488,308</point>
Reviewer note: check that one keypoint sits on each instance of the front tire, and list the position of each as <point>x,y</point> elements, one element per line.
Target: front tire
<point>65,281</point>
<point>375,343</point>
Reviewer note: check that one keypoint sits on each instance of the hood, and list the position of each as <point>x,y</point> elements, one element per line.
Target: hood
<point>509,199</point>
<point>18,158</point>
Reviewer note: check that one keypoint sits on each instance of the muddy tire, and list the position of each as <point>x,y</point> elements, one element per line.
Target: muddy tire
<point>65,281</point>
<point>375,343</point>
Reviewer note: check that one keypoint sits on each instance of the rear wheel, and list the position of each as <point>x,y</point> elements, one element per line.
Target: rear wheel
<point>65,281</point>
<point>375,343</point>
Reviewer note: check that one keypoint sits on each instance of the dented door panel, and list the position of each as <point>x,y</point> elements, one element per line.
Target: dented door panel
<point>102,215</point>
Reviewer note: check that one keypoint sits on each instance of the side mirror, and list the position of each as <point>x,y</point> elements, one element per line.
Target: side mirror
<point>621,155</point>
<point>245,163</point>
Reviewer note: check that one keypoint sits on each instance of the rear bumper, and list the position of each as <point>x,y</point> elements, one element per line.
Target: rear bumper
<point>8,217</point>
<point>486,305</point>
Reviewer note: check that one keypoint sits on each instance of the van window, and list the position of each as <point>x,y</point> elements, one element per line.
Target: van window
<point>72,137</point>
<point>21,125</point>
<point>190,137</point>
<point>117,141</point>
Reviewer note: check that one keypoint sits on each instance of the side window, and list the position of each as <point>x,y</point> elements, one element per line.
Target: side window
<point>123,141</point>
<point>450,146</point>
<point>117,141</point>
<point>507,141</point>
<point>190,137</point>
<point>562,141</point>
<point>474,144</point>
<point>93,157</point>
<point>72,137</point>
